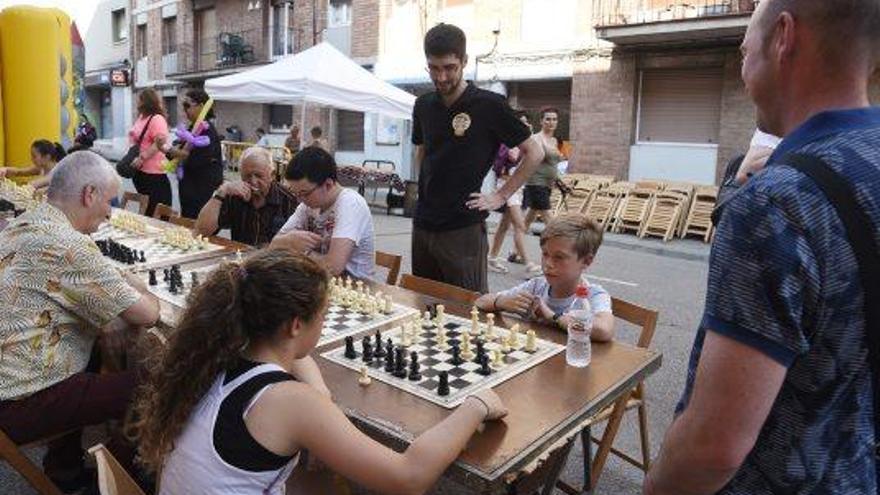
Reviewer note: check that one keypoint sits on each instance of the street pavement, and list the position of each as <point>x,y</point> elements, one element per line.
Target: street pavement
<point>669,277</point>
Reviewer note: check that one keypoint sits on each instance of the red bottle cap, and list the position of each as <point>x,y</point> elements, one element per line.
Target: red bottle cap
<point>582,291</point>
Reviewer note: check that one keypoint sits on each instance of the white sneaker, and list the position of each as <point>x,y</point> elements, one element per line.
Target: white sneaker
<point>534,269</point>
<point>497,266</point>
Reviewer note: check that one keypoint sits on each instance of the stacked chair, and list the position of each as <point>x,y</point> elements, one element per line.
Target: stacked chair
<point>668,211</point>
<point>699,218</point>
<point>635,207</point>
<point>603,206</point>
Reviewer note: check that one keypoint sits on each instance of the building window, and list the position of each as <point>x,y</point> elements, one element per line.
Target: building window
<point>120,25</point>
<point>339,13</point>
<point>141,42</point>
<point>278,29</point>
<point>169,35</point>
<point>206,38</point>
<point>280,116</point>
<point>170,110</point>
<point>349,131</point>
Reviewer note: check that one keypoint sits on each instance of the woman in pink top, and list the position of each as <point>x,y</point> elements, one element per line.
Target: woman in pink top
<point>150,179</point>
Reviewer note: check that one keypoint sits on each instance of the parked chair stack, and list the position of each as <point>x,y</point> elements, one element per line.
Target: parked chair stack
<point>603,206</point>
<point>699,218</point>
<point>664,216</point>
<point>634,209</point>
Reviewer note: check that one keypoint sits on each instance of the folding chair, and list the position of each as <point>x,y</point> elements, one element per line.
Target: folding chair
<point>664,216</point>
<point>113,479</point>
<point>647,320</point>
<point>11,453</point>
<point>634,210</point>
<point>142,200</point>
<point>392,263</point>
<point>699,219</point>
<point>439,290</point>
<point>164,212</point>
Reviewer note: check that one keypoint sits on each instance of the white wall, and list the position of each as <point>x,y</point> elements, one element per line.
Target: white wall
<point>101,50</point>
<point>676,162</point>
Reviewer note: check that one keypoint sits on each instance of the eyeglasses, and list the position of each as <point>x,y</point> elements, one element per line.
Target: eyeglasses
<point>186,105</point>
<point>448,69</point>
<point>304,194</point>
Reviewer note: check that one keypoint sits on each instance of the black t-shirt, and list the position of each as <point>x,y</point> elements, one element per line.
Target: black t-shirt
<point>203,168</point>
<point>460,144</point>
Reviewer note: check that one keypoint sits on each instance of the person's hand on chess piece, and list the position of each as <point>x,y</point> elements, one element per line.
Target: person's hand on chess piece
<point>237,189</point>
<point>490,402</point>
<point>298,241</point>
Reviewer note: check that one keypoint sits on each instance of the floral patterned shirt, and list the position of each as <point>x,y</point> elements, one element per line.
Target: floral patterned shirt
<point>56,292</point>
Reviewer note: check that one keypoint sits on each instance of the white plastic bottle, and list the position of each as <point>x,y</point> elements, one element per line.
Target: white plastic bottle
<point>578,351</point>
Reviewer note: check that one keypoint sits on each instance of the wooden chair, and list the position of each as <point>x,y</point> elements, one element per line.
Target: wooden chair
<point>634,210</point>
<point>112,477</point>
<point>392,263</point>
<point>142,200</point>
<point>665,215</point>
<point>11,453</point>
<point>439,290</point>
<point>188,223</point>
<point>164,212</point>
<point>613,414</point>
<point>699,218</point>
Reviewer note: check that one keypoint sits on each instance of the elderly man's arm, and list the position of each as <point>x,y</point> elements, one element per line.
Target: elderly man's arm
<point>208,222</point>
<point>144,312</point>
<point>734,390</point>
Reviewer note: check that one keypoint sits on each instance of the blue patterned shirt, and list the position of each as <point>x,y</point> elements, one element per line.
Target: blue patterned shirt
<point>783,279</point>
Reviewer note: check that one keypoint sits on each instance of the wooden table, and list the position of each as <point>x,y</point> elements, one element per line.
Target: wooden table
<point>547,407</point>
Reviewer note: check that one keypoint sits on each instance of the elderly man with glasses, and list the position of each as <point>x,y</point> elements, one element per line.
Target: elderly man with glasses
<point>253,208</point>
<point>332,224</point>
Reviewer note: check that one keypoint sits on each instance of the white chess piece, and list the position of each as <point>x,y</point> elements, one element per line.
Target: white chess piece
<point>389,304</point>
<point>466,352</point>
<point>490,326</point>
<point>513,336</point>
<point>364,379</point>
<point>531,341</point>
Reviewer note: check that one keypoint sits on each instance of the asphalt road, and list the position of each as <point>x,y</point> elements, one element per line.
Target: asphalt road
<point>668,277</point>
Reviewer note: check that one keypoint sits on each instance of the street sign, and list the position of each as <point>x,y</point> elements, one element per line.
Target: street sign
<point>119,77</point>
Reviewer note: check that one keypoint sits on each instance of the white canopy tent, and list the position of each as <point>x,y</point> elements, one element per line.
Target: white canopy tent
<point>321,75</point>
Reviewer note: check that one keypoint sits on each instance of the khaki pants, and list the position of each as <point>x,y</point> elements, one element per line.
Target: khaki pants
<point>456,257</point>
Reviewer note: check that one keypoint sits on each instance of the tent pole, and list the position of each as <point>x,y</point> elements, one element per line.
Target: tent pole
<point>302,124</point>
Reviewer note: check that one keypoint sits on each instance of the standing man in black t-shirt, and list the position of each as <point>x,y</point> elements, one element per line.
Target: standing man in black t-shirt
<point>457,130</point>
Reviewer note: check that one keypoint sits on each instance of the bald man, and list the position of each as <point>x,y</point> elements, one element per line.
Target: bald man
<point>253,208</point>
<point>780,390</point>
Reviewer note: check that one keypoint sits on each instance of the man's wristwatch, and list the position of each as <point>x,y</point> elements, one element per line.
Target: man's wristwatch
<point>219,197</point>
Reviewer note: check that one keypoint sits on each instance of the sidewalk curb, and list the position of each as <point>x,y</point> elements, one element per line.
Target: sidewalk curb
<point>657,250</point>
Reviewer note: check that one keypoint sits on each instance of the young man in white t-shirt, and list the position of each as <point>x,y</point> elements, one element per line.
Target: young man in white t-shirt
<point>332,224</point>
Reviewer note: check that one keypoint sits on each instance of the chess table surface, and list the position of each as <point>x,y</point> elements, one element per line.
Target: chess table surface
<point>546,404</point>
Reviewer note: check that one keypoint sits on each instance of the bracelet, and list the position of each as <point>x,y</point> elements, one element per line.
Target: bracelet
<point>481,402</point>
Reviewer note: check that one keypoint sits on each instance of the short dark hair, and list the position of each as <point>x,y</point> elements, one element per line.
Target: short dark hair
<point>445,39</point>
<point>849,30</point>
<point>199,96</point>
<point>316,131</point>
<point>546,110</point>
<point>260,130</point>
<point>313,164</point>
<point>45,147</point>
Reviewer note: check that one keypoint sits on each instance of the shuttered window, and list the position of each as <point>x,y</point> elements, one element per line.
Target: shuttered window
<point>349,131</point>
<point>680,106</point>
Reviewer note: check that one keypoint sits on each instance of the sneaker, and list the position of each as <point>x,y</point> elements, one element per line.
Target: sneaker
<point>534,269</point>
<point>497,266</point>
<point>514,258</point>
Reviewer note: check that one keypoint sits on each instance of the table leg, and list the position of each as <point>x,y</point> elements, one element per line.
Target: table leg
<point>587,444</point>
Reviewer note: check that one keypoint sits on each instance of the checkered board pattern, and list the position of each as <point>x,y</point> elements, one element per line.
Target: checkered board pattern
<point>341,322</point>
<point>464,379</point>
<point>158,254</point>
<point>160,290</point>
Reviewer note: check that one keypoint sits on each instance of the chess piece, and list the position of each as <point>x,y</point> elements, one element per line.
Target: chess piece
<point>513,337</point>
<point>441,315</point>
<point>364,379</point>
<point>367,350</point>
<point>481,351</point>
<point>153,278</point>
<point>504,347</point>
<point>497,359</point>
<point>484,366</point>
<point>466,352</point>
<point>349,348</point>
<point>143,258</point>
<point>238,257</point>
<point>531,341</point>
<point>475,321</point>
<point>389,304</point>
<point>426,320</point>
<point>456,355</point>
<point>443,387</point>
<point>164,274</point>
<point>194,278</point>
<point>414,374</point>
<point>442,343</point>
<point>380,351</point>
<point>399,363</point>
<point>389,360</point>
<point>490,326</point>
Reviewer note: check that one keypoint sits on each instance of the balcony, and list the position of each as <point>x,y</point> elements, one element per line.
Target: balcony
<point>224,53</point>
<point>653,23</point>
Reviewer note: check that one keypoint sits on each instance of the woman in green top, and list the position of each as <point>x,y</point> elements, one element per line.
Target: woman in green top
<point>536,194</point>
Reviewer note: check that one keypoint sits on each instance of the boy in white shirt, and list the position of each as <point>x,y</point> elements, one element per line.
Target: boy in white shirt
<point>332,224</point>
<point>568,247</point>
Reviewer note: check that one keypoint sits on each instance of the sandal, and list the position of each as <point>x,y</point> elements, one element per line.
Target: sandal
<point>497,266</point>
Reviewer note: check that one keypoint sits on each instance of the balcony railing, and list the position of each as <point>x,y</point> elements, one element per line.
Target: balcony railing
<point>609,13</point>
<point>226,49</point>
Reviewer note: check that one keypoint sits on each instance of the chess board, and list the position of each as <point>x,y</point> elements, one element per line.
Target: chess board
<point>464,378</point>
<point>108,231</point>
<point>161,289</point>
<point>158,254</point>
<point>341,322</point>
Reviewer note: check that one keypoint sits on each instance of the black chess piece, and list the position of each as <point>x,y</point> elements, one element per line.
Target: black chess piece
<point>443,387</point>
<point>143,259</point>
<point>389,361</point>
<point>153,280</point>
<point>349,348</point>
<point>165,275</point>
<point>368,351</point>
<point>481,351</point>
<point>194,279</point>
<point>172,288</point>
<point>400,363</point>
<point>414,374</point>
<point>380,351</point>
<point>484,366</point>
<point>456,355</point>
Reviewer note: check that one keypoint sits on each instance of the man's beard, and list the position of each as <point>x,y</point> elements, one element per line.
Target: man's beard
<point>449,88</point>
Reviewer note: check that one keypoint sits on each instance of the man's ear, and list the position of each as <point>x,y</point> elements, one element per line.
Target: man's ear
<point>464,61</point>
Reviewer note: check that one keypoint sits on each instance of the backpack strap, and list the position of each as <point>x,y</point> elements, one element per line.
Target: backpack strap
<point>860,233</point>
